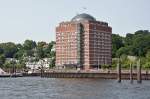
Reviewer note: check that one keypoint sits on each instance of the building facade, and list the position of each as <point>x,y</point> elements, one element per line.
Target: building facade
<point>83,42</point>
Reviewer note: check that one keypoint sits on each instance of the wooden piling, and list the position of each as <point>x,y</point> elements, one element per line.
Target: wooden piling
<point>146,75</point>
<point>139,80</point>
<point>42,72</point>
<point>131,73</point>
<point>119,71</point>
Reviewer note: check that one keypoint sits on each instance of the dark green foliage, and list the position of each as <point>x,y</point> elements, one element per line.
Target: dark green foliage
<point>22,51</point>
<point>19,54</point>
<point>52,63</point>
<point>124,50</point>
<point>1,51</point>
<point>29,45</point>
<point>40,53</point>
<point>147,60</point>
<point>136,44</point>
<point>2,60</point>
<point>117,42</point>
<point>8,49</point>
<point>9,64</point>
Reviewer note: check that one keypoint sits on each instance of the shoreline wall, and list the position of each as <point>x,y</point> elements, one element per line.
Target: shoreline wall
<point>124,76</point>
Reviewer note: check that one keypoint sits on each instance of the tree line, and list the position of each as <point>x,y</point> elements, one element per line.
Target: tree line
<point>22,52</point>
<point>133,44</point>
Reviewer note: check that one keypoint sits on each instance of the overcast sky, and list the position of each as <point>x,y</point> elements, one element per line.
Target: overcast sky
<point>37,19</point>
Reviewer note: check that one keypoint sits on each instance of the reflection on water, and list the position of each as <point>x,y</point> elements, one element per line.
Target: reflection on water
<point>50,88</point>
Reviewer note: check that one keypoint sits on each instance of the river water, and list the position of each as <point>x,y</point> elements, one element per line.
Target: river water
<point>51,88</point>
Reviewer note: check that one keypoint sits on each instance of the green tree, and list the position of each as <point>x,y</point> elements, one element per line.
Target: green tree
<point>29,53</point>
<point>1,51</point>
<point>10,64</point>
<point>124,50</point>
<point>136,44</point>
<point>147,62</point>
<point>40,53</point>
<point>41,44</point>
<point>141,44</point>
<point>29,44</point>
<point>9,49</point>
<point>52,64</point>
<point>117,42</point>
<point>2,60</point>
<point>48,51</point>
<point>40,50</point>
<point>129,39</point>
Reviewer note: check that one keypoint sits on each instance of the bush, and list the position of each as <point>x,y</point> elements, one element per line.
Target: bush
<point>147,65</point>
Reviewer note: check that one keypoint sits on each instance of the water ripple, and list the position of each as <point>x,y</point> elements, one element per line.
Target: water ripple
<point>48,88</point>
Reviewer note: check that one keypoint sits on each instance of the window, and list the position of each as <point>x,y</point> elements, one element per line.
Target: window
<point>94,27</point>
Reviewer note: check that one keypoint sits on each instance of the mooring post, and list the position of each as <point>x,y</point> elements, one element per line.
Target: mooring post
<point>131,73</point>
<point>139,72</point>
<point>146,75</point>
<point>119,71</point>
<point>42,71</point>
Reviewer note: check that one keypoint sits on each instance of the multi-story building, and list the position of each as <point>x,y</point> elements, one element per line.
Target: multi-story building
<point>83,42</point>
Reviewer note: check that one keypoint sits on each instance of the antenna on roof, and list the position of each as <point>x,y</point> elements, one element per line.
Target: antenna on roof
<point>84,8</point>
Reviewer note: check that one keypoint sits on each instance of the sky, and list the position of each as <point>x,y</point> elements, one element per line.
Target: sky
<point>37,19</point>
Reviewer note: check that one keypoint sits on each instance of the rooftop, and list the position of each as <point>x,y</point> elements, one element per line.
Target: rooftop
<point>83,16</point>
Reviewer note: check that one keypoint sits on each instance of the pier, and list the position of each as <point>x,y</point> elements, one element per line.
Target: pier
<point>125,75</point>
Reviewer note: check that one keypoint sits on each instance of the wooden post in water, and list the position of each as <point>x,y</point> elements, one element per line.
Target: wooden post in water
<point>119,71</point>
<point>146,75</point>
<point>139,72</point>
<point>42,69</point>
<point>131,73</point>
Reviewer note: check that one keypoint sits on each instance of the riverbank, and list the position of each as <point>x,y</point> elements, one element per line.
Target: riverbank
<point>101,74</point>
<point>124,76</point>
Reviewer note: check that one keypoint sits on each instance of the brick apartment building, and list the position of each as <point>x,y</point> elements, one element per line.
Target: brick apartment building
<point>83,42</point>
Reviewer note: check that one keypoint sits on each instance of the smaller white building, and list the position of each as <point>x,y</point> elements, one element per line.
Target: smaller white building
<point>45,62</point>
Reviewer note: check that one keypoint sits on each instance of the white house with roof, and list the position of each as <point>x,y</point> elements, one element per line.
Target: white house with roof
<point>45,62</point>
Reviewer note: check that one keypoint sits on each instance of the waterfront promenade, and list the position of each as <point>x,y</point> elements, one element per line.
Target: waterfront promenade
<point>101,74</point>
